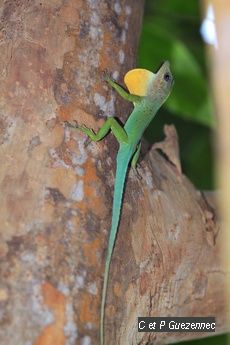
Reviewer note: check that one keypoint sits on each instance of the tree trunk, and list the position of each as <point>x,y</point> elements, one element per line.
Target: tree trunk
<point>56,192</point>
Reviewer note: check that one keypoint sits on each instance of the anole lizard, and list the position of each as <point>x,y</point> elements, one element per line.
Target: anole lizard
<point>147,91</point>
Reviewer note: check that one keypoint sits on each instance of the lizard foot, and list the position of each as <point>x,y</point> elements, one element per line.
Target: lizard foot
<point>136,173</point>
<point>107,76</point>
<point>67,123</point>
<point>87,142</point>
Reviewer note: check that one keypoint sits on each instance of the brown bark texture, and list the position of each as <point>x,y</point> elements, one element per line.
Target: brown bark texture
<point>56,191</point>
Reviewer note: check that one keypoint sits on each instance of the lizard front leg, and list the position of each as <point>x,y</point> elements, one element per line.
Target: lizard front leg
<point>122,92</point>
<point>110,124</point>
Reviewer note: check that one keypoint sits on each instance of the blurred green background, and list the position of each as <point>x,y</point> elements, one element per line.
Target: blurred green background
<point>171,30</point>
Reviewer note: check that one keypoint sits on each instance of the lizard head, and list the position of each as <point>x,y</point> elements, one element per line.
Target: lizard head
<point>154,86</point>
<point>160,87</point>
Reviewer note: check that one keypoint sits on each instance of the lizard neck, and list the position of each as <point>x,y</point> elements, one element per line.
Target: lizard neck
<point>141,116</point>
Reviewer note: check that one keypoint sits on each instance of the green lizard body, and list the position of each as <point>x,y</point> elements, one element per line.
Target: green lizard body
<point>149,91</point>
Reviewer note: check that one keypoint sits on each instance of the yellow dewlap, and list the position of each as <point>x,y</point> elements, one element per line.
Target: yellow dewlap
<point>137,81</point>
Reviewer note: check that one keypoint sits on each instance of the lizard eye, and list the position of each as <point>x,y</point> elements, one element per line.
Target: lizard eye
<point>167,77</point>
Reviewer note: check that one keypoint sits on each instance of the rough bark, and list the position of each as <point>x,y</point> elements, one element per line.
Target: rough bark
<point>56,192</point>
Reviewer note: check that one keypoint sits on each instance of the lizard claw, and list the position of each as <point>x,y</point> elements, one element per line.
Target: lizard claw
<point>67,123</point>
<point>106,76</point>
<point>83,127</point>
<point>137,174</point>
<point>87,142</point>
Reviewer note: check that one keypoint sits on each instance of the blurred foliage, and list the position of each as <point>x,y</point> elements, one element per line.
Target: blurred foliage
<point>171,31</point>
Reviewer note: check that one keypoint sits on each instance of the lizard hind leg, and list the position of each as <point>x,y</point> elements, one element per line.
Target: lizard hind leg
<point>135,160</point>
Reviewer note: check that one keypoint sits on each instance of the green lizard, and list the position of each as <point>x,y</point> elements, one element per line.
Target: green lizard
<point>147,91</point>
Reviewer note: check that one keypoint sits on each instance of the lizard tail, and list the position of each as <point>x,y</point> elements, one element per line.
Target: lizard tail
<point>122,165</point>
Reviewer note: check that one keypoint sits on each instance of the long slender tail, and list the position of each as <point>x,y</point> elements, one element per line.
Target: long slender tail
<point>122,165</point>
